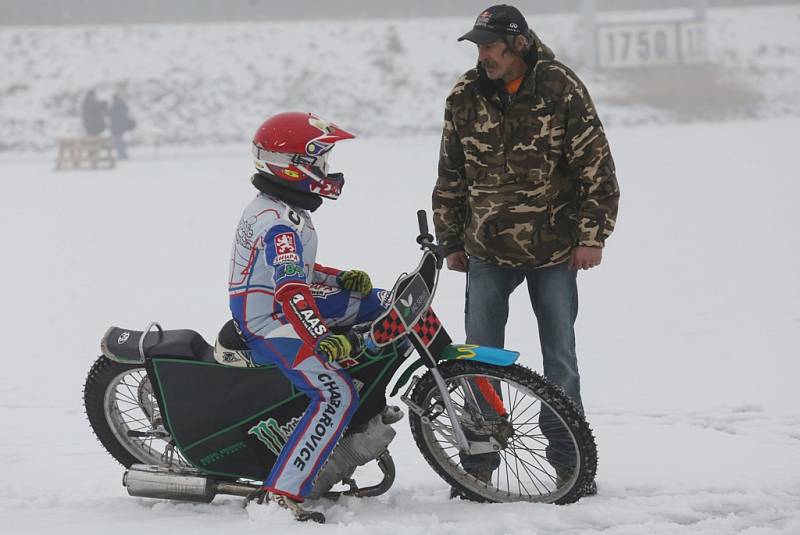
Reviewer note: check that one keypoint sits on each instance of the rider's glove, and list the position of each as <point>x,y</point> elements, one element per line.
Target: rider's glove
<point>336,348</point>
<point>355,280</point>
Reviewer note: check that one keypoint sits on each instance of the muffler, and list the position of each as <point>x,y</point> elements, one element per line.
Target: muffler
<point>148,481</point>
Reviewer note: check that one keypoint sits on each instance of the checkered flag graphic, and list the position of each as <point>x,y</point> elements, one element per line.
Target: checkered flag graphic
<point>388,328</point>
<point>427,327</point>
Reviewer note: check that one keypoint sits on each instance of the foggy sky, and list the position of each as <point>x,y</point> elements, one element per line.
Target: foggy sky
<point>33,12</point>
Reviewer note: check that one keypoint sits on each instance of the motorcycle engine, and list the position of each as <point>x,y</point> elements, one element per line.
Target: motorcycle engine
<point>355,450</point>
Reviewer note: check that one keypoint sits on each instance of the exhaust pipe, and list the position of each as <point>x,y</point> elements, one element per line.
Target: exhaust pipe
<point>148,481</point>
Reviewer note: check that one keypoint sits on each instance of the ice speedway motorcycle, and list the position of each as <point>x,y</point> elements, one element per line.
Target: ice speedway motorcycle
<point>187,425</point>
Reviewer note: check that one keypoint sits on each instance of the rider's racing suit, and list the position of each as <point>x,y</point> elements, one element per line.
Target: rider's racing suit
<point>283,303</point>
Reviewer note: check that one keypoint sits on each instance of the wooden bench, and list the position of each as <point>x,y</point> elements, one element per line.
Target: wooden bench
<point>85,153</point>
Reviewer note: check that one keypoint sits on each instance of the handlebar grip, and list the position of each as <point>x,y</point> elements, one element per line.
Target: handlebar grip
<point>356,342</point>
<point>422,219</point>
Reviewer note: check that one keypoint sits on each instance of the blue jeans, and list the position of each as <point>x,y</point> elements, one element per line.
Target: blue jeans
<point>553,293</point>
<point>120,146</point>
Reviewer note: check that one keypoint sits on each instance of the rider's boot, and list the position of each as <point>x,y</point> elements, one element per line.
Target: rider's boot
<point>299,512</point>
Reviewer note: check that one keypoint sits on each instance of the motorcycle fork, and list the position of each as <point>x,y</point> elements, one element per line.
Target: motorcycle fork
<point>458,438</point>
<point>458,432</point>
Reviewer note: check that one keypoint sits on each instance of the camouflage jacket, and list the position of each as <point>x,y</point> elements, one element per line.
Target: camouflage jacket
<point>524,179</point>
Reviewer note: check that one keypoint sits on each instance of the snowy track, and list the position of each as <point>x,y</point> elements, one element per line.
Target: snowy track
<point>687,333</point>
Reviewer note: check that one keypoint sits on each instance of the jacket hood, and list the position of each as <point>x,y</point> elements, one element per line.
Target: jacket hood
<point>539,51</point>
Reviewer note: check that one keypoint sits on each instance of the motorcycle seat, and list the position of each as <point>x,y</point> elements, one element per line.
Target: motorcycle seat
<point>123,345</point>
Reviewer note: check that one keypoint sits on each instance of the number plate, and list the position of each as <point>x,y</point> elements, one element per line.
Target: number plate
<point>621,45</point>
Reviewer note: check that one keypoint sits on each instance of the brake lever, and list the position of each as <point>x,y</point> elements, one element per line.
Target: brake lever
<point>438,251</point>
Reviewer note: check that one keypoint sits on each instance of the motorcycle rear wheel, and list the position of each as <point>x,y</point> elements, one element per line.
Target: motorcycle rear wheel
<point>528,471</point>
<point>124,415</point>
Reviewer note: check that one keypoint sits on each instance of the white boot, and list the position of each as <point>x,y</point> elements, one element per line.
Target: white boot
<point>299,513</point>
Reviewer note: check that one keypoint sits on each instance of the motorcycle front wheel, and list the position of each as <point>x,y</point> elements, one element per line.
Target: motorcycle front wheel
<point>124,415</point>
<point>535,445</point>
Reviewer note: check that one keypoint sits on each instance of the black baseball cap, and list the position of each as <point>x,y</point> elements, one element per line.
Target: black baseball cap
<point>495,22</point>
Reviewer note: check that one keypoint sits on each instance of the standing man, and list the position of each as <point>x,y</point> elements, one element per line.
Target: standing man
<point>526,191</point>
<point>93,113</point>
<point>120,122</point>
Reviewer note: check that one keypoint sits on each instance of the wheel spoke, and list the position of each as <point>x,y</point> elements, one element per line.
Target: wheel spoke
<point>527,422</point>
<point>131,406</point>
<point>519,479</point>
<point>525,472</point>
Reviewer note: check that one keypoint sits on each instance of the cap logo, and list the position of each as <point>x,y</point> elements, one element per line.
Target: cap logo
<point>483,19</point>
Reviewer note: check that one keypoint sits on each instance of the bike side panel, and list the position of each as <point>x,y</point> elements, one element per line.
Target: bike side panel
<point>225,419</point>
<point>233,422</point>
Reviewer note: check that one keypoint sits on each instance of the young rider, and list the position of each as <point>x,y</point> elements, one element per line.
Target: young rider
<point>284,303</point>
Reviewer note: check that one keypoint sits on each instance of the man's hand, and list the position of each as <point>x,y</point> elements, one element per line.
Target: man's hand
<point>458,261</point>
<point>335,348</point>
<point>355,280</point>
<point>584,257</point>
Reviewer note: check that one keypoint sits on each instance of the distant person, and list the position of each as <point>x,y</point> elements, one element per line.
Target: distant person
<point>121,122</point>
<point>93,112</point>
<point>526,192</point>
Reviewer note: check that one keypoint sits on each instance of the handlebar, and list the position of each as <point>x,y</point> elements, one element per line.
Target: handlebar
<point>422,219</point>
<point>425,239</point>
<point>360,338</point>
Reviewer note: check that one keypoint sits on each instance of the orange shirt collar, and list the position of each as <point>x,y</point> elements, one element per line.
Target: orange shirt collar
<point>513,86</point>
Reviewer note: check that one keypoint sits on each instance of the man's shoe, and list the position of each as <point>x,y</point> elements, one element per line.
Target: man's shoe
<point>482,473</point>
<point>565,474</point>
<point>300,513</point>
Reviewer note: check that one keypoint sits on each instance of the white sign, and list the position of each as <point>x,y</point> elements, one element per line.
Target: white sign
<point>693,42</point>
<point>622,45</point>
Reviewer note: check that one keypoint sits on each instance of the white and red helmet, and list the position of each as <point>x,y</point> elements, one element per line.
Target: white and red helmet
<point>294,146</point>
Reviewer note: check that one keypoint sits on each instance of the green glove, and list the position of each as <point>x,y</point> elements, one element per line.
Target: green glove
<point>355,280</point>
<point>336,348</point>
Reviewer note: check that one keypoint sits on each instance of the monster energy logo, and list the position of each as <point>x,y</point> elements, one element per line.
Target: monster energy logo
<point>272,434</point>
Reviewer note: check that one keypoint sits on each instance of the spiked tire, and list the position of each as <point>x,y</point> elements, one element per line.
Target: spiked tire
<point>535,387</point>
<point>100,378</point>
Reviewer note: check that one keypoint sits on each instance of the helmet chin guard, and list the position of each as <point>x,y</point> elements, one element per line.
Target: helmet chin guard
<point>294,148</point>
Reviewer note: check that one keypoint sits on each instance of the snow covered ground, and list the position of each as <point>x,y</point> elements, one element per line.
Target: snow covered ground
<point>212,83</point>
<point>687,332</point>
